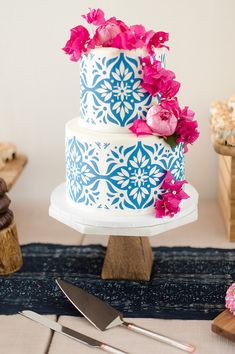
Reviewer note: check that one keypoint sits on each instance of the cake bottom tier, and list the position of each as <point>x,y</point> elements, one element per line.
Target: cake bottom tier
<point>117,174</point>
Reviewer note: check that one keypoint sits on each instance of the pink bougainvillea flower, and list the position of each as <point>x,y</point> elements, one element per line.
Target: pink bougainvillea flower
<point>169,203</point>
<point>140,127</point>
<point>174,186</point>
<point>157,79</point>
<point>130,38</point>
<point>168,87</point>
<point>167,206</point>
<point>138,30</point>
<point>172,105</point>
<point>187,113</point>
<point>95,16</point>
<point>106,32</point>
<point>155,40</point>
<point>76,45</point>
<point>159,38</point>
<point>186,129</point>
<point>161,121</point>
<point>125,40</point>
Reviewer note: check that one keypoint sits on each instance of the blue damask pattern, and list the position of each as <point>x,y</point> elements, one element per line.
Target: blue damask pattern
<point>132,176</point>
<point>110,90</point>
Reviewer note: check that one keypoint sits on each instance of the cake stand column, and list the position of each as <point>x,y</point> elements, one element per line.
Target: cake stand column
<point>128,257</point>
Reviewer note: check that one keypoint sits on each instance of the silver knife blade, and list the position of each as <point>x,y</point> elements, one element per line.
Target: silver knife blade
<point>99,313</point>
<point>70,333</point>
<point>57,327</point>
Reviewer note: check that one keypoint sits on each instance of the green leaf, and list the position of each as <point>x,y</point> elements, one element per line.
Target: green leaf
<point>171,140</point>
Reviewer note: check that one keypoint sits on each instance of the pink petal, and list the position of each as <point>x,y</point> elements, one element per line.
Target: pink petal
<point>140,127</point>
<point>96,17</point>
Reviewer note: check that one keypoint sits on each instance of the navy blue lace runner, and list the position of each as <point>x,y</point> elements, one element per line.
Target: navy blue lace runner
<point>186,283</point>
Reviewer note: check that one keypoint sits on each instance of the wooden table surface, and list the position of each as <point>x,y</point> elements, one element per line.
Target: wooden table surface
<point>19,335</point>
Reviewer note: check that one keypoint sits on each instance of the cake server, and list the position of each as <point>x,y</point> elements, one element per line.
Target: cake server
<point>68,332</point>
<point>104,316</point>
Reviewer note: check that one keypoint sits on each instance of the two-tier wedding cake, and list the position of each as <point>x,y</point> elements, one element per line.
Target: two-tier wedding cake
<point>125,152</point>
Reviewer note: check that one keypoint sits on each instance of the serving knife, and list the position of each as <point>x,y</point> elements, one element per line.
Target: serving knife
<point>57,327</point>
<point>104,316</point>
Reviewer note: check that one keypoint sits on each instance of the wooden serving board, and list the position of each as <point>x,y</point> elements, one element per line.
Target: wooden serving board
<point>13,169</point>
<point>224,325</point>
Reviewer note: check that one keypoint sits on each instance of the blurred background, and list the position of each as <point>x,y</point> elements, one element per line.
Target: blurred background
<point>39,86</point>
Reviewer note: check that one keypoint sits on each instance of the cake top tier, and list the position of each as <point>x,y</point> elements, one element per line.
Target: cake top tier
<point>111,94</point>
<point>124,83</point>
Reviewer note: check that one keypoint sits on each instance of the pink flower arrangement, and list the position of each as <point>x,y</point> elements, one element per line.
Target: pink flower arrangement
<point>161,119</point>
<point>165,119</point>
<point>112,33</point>
<point>169,204</point>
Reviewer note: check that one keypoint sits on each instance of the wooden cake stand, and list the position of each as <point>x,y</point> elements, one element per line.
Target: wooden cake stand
<point>129,254</point>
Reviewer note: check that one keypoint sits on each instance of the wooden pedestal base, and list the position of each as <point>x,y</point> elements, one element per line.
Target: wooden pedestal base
<point>10,253</point>
<point>224,325</point>
<point>128,257</point>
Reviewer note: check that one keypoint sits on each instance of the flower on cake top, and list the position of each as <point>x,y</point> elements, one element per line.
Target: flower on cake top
<point>95,17</point>
<point>170,200</point>
<point>77,43</point>
<point>112,33</point>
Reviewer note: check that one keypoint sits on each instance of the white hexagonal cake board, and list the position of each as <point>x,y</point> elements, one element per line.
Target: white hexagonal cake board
<point>91,223</point>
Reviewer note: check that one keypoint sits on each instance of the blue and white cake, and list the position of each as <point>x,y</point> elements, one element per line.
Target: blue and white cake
<point>108,168</point>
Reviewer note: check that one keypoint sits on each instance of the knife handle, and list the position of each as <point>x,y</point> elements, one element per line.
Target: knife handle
<point>109,349</point>
<point>159,337</point>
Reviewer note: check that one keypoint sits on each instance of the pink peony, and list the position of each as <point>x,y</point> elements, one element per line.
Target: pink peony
<point>140,127</point>
<point>161,121</point>
<point>96,17</point>
<point>105,33</point>
<point>186,129</point>
<point>157,79</point>
<point>76,45</point>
